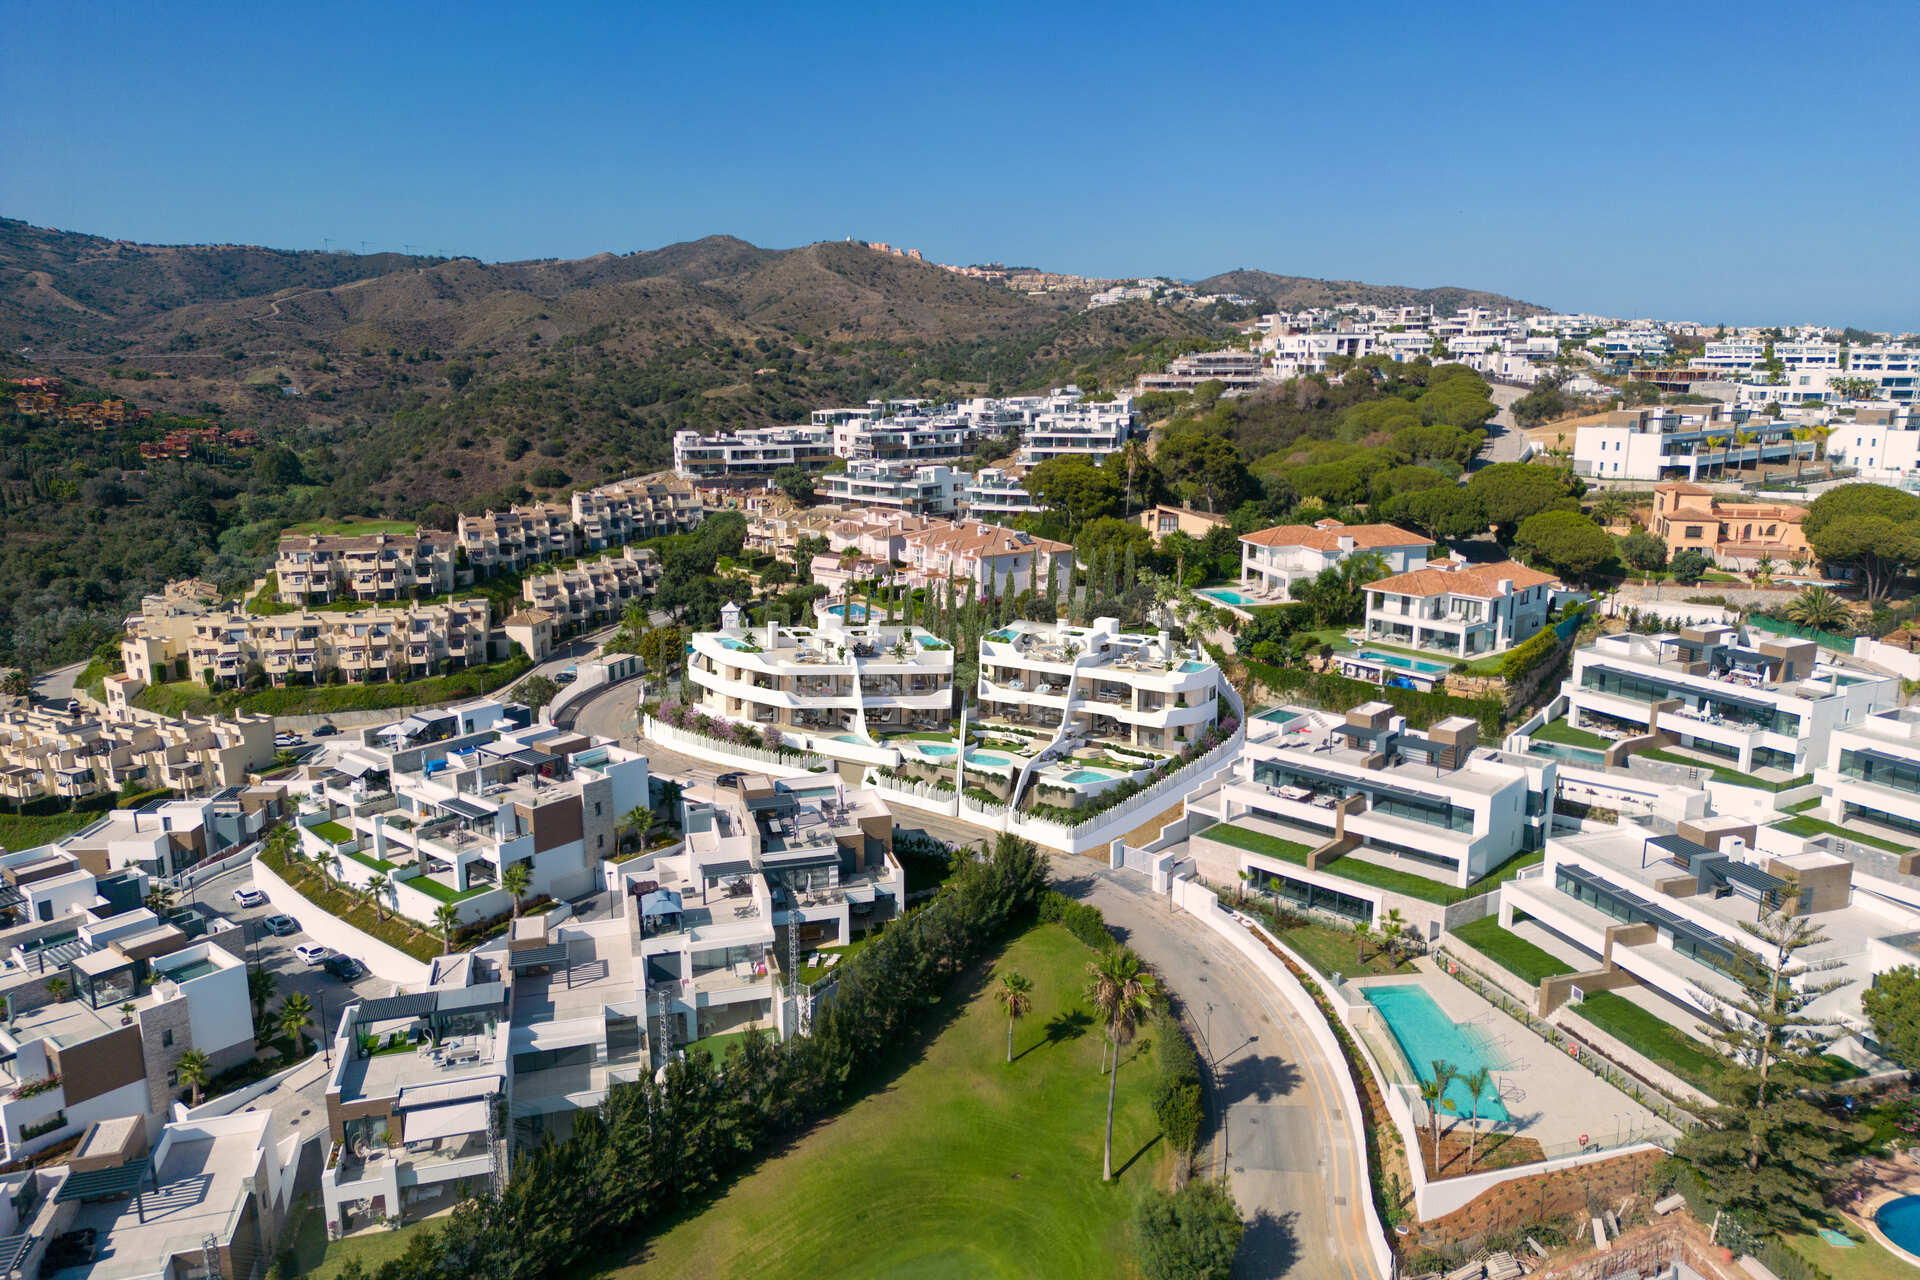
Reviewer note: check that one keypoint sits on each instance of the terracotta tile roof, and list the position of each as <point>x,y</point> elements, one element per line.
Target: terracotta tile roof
<point>1326,536</point>
<point>527,618</point>
<point>1682,487</point>
<point>974,541</point>
<point>1481,581</point>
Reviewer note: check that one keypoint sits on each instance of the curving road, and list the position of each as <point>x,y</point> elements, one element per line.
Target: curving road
<point>1301,1189</point>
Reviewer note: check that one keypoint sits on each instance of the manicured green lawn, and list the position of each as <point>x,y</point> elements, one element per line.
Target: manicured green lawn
<point>1722,773</point>
<point>332,832</point>
<point>368,860</point>
<point>1562,732</point>
<point>1506,871</point>
<point>434,889</point>
<point>17,832</point>
<point>1865,1261</point>
<point>1807,828</point>
<point>315,1259</point>
<point>1387,878</point>
<point>962,1166</point>
<point>1511,951</point>
<point>1689,1058</point>
<point>350,527</point>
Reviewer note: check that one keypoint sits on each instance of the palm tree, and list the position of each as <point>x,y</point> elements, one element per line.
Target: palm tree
<point>160,898</point>
<point>516,880</point>
<point>261,986</point>
<point>57,989</point>
<point>1745,438</point>
<point>296,1011</point>
<point>1393,929</point>
<point>1015,995</point>
<point>193,1069</point>
<point>376,887</point>
<point>1611,509</point>
<point>1121,988</point>
<point>1763,570</point>
<point>447,916</point>
<point>1430,1092</point>
<point>1818,608</point>
<point>1476,1081</point>
<point>1444,1074</point>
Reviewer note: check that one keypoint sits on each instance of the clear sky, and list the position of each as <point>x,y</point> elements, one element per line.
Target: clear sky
<point>1751,162</point>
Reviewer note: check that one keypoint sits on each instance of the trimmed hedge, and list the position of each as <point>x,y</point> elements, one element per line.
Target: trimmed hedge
<point>1082,920</point>
<point>1332,692</point>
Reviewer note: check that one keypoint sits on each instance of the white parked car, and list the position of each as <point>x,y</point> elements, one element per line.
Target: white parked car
<point>312,953</point>
<point>248,896</point>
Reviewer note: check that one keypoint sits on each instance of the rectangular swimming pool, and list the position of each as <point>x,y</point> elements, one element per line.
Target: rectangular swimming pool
<point>1225,596</point>
<point>1405,664</point>
<point>1427,1035</point>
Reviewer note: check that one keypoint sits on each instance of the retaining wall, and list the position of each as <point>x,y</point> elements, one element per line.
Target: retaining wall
<point>384,960</point>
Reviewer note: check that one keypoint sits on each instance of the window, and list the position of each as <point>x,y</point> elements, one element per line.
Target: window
<point>601,842</point>
<point>173,1079</point>
<point>596,808</point>
<point>166,1039</point>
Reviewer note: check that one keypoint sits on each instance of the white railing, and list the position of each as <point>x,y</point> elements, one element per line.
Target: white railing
<point>699,744</point>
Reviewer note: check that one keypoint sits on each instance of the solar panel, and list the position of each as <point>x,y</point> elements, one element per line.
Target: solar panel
<point>409,1006</point>
<point>103,1184</point>
<point>465,808</point>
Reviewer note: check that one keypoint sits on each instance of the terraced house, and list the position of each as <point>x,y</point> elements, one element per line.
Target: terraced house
<point>987,556</point>
<point>364,646</point>
<point>512,540</point>
<point>592,592</point>
<point>46,753</point>
<point>840,677</point>
<point>317,569</point>
<point>614,514</point>
<point>1767,707</point>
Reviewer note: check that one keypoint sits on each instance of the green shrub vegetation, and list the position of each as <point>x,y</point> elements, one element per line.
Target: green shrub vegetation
<point>1510,951</point>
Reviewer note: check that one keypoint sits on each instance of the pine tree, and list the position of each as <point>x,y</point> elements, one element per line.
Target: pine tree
<point>1133,571</point>
<point>1769,1154</point>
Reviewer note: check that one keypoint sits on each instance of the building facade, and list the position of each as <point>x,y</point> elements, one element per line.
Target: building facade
<point>1459,610</point>
<point>315,569</point>
<point>1272,560</point>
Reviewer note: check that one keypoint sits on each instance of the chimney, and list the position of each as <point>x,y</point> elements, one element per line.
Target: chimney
<point>1506,586</point>
<point>1345,542</point>
<point>1735,848</point>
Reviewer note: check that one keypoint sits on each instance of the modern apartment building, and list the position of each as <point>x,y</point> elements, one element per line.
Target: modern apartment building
<point>1272,560</point>
<point>987,556</point>
<point>510,541</point>
<point>1089,429</point>
<point>1736,534</point>
<point>166,837</point>
<point>921,489</point>
<point>859,677</point>
<point>363,646</point>
<point>210,1198</point>
<point>998,493</point>
<point>1870,777</point>
<point>1238,370</point>
<point>736,458</point>
<point>1880,442</point>
<point>1102,682</point>
<point>1435,804</point>
<point>1768,705</point>
<point>316,569</point>
<point>441,804</point>
<point>103,998</point>
<point>46,753</point>
<point>1685,442</point>
<point>1460,610</point>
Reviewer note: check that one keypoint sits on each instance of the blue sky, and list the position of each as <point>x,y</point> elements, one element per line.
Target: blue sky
<point>1745,163</point>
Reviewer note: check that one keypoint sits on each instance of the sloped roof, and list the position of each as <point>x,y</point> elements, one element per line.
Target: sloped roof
<point>1326,536</point>
<point>1481,581</point>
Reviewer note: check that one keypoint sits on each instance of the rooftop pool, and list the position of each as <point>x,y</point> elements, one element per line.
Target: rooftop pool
<point>1278,715</point>
<point>1191,667</point>
<point>1087,775</point>
<point>859,613</point>
<point>1427,1035</point>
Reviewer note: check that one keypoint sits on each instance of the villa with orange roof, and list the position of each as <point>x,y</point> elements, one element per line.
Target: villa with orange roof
<point>1461,610</point>
<point>986,555</point>
<point>1272,560</point>
<point>1738,535</point>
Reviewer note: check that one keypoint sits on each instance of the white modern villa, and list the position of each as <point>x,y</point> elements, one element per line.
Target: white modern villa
<point>841,677</point>
<point>1272,560</point>
<point>1460,610</point>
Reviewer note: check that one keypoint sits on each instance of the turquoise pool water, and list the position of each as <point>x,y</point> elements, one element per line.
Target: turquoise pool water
<point>1278,715</point>
<point>935,748</point>
<point>1001,637</point>
<point>1900,1220</point>
<point>1086,775</point>
<point>191,970</point>
<point>1227,597</point>
<point>728,642</point>
<point>1405,664</point>
<point>1561,751</point>
<point>1427,1035</point>
<point>850,737</point>
<point>1190,666</point>
<point>943,750</point>
<point>859,613</point>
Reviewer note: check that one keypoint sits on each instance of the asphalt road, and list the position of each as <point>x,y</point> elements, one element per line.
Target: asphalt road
<point>1300,1187</point>
<point>1505,440</point>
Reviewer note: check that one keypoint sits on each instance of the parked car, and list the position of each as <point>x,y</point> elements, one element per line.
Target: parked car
<point>248,896</point>
<point>312,953</point>
<point>287,739</point>
<point>566,676</point>
<point>325,731</point>
<point>280,926</point>
<point>345,968</point>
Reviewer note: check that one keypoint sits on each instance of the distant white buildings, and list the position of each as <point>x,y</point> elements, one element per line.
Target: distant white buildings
<point>1882,443</point>
<point>750,457</point>
<point>1091,430</point>
<point>1238,370</point>
<point>997,494</point>
<point>1685,442</point>
<point>913,488</point>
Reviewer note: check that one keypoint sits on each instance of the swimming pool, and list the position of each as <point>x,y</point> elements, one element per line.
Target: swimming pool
<point>1562,751</point>
<point>1190,667</point>
<point>728,642</point>
<point>1278,715</point>
<point>1427,1035</point>
<point>942,751</point>
<point>1405,664</point>
<point>1087,775</point>
<point>1225,596</point>
<point>190,970</point>
<point>859,613</point>
<point>1899,1221</point>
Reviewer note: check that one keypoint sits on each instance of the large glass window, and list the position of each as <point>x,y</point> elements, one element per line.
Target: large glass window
<point>1313,897</point>
<point>1881,770</point>
<point>1885,819</point>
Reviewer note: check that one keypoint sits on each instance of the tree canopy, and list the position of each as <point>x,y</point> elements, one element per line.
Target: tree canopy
<point>1870,529</point>
<point>1564,541</point>
<point>1074,487</point>
<point>1509,492</point>
<point>1893,1005</point>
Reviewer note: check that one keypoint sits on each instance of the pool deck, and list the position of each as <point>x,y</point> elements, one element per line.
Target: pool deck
<point>1531,1072</point>
<point>1872,1183</point>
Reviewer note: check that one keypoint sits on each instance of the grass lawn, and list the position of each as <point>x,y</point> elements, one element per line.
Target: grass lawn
<point>1722,773</point>
<point>1510,951</point>
<point>1562,732</point>
<point>1506,871</point>
<point>349,527</point>
<point>1654,1037</point>
<point>717,1045</point>
<point>368,860</point>
<point>332,832</point>
<point>1387,878</point>
<point>966,1165</point>
<point>315,1259</point>
<point>434,889</point>
<point>1806,827</point>
<point>1865,1261</point>
<point>17,832</point>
